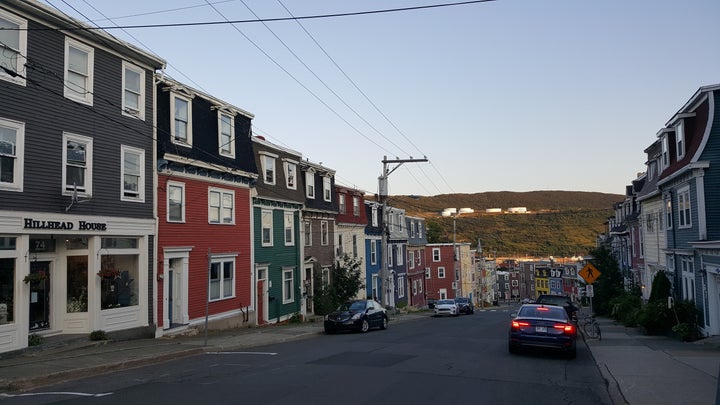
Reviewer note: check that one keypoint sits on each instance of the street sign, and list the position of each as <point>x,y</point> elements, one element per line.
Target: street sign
<point>589,273</point>
<point>589,291</point>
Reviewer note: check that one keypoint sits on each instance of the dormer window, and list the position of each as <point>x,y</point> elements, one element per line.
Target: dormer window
<point>680,139</point>
<point>665,154</point>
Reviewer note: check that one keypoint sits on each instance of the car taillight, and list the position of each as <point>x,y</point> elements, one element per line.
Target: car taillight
<point>517,324</point>
<point>565,327</point>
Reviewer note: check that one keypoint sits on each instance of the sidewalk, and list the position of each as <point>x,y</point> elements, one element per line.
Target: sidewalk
<point>656,370</point>
<point>638,369</point>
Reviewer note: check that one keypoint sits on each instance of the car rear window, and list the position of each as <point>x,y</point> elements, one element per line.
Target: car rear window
<point>543,312</point>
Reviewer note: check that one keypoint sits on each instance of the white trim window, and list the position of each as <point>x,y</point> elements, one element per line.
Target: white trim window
<point>341,203</point>
<point>374,215</point>
<point>355,245</point>
<point>79,67</point>
<point>181,116</point>
<point>441,272</point>
<point>420,230</point>
<point>324,233</point>
<point>400,255</point>
<point>222,278</point>
<point>680,140</point>
<point>175,202</point>
<point>668,213</point>
<point>12,154</point>
<point>436,254</point>
<point>289,228</point>
<point>13,47</point>
<point>266,234</point>
<point>401,286</point>
<point>221,206</point>
<point>411,258</point>
<point>290,174</point>
<point>373,252</point>
<point>307,225</point>
<point>412,228</point>
<point>133,174</point>
<point>133,99</point>
<point>77,164</point>
<point>684,209</point>
<point>288,286</point>
<point>356,206</point>
<point>428,273</point>
<point>310,184</point>
<point>226,134</point>
<point>267,160</point>
<point>327,189</point>
<point>665,154</point>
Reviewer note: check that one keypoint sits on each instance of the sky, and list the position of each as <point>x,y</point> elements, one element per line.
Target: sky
<point>500,95</point>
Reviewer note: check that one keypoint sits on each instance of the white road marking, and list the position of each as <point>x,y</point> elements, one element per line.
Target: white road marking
<point>260,353</point>
<point>77,394</point>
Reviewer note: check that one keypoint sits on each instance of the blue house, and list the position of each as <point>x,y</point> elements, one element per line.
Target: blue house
<point>689,186</point>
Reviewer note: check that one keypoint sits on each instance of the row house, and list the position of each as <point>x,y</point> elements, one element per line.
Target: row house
<point>485,287</point>
<point>350,227</point>
<point>444,269</point>
<point>205,173</point>
<point>319,215</point>
<point>280,271</point>
<point>652,228</point>
<point>416,261</point>
<point>680,216</point>
<point>527,281</point>
<point>77,226</point>
<point>396,254</point>
<point>373,250</point>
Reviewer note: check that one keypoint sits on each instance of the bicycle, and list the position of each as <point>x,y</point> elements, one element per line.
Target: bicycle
<point>591,327</point>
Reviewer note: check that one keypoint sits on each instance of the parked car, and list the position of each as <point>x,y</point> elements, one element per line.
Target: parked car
<point>446,307</point>
<point>357,315</point>
<point>542,326</point>
<point>559,300</point>
<point>527,301</point>
<point>465,306</point>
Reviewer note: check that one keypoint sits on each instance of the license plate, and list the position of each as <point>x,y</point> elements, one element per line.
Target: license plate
<point>541,329</point>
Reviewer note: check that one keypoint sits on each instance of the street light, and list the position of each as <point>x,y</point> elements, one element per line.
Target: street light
<point>454,213</point>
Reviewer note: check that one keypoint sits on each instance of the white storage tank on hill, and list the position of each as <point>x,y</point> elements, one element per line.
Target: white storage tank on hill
<point>517,210</point>
<point>493,210</point>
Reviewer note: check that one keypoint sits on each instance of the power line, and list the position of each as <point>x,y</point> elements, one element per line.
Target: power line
<point>310,17</point>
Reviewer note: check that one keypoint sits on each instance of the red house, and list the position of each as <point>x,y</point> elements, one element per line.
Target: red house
<point>440,280</point>
<point>205,173</point>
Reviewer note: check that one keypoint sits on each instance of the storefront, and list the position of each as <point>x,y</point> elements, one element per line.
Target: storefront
<point>61,274</point>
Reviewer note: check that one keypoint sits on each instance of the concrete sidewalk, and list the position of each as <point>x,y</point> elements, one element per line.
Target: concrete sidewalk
<point>656,370</point>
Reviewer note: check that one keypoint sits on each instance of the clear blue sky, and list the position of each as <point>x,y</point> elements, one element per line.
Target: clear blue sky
<point>506,95</point>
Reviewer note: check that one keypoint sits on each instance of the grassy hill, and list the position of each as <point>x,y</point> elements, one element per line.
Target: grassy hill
<point>559,223</point>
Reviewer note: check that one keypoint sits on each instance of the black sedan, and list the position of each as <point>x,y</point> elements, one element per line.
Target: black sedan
<point>465,306</point>
<point>358,315</point>
<point>542,326</point>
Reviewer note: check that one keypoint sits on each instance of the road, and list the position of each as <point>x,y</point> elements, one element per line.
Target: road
<point>429,361</point>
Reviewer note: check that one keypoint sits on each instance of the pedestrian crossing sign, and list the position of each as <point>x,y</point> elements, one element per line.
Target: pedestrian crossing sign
<point>589,273</point>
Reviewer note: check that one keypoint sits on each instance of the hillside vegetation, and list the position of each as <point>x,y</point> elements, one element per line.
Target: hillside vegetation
<point>558,223</point>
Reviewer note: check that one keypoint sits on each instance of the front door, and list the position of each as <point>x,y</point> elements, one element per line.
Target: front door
<point>309,286</point>
<point>40,296</point>
<point>175,293</point>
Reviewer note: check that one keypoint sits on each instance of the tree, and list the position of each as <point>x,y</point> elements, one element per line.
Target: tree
<point>434,231</point>
<point>345,284</point>
<point>610,283</point>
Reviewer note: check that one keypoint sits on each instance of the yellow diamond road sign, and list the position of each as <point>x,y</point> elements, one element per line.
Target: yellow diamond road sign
<point>589,273</point>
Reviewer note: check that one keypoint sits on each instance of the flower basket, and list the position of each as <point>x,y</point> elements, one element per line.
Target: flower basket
<point>109,273</point>
<point>35,277</point>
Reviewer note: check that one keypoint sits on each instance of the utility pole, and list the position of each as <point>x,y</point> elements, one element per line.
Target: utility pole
<point>383,194</point>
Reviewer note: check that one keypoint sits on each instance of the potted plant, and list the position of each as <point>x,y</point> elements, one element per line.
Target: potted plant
<point>35,277</point>
<point>108,273</point>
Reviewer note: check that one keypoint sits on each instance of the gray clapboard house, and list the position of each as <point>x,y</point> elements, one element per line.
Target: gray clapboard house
<point>76,178</point>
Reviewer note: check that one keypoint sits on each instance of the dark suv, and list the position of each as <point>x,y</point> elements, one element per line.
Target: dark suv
<point>465,306</point>
<point>561,301</point>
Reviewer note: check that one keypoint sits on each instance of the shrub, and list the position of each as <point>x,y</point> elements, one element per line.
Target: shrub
<point>626,308</point>
<point>656,318</point>
<point>35,340</point>
<point>295,318</point>
<point>98,335</point>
